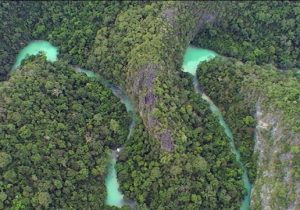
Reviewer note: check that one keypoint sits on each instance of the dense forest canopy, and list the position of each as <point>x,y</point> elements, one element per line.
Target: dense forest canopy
<point>250,89</point>
<point>193,176</point>
<point>260,31</point>
<point>72,26</point>
<point>57,126</point>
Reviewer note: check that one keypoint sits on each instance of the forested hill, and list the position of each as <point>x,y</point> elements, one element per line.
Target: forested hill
<point>57,129</point>
<point>259,31</point>
<point>57,126</point>
<point>144,46</point>
<point>263,100</point>
<point>134,44</point>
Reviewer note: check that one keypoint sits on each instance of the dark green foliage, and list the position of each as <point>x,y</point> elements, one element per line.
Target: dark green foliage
<point>236,87</point>
<point>56,130</point>
<point>257,31</point>
<point>222,82</point>
<point>57,126</point>
<point>13,34</point>
<point>200,174</point>
<point>72,26</point>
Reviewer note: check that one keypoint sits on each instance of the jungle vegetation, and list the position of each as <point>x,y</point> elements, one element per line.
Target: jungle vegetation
<point>57,126</point>
<point>261,32</point>
<point>57,129</point>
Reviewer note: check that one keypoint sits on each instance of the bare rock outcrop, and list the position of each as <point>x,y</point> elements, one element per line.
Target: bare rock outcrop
<point>276,186</point>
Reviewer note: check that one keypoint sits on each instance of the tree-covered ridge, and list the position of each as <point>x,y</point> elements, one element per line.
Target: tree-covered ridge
<point>57,127</point>
<point>280,90</point>
<point>137,46</point>
<point>201,172</point>
<point>222,82</point>
<point>143,48</point>
<point>258,31</point>
<point>270,99</point>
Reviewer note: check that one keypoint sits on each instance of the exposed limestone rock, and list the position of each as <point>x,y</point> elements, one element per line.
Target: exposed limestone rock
<point>142,83</point>
<point>276,186</point>
<point>155,45</point>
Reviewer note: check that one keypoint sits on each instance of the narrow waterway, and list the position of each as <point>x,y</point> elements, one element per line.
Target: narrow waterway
<point>192,58</point>
<point>114,196</point>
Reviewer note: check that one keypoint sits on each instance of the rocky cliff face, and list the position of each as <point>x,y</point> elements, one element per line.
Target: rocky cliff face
<point>144,53</point>
<point>271,99</point>
<point>182,20</point>
<point>142,88</point>
<point>276,186</point>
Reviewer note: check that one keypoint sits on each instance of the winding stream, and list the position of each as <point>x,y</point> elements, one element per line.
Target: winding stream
<point>192,58</point>
<point>114,196</point>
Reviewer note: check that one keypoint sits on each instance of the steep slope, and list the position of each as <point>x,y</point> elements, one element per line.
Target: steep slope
<point>272,98</point>
<point>200,173</point>
<point>143,52</point>
<point>278,149</point>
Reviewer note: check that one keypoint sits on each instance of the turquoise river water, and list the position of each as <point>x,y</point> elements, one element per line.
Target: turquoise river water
<point>114,196</point>
<point>34,48</point>
<point>192,58</point>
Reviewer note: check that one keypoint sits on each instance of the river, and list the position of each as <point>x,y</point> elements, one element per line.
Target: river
<point>33,48</point>
<point>192,58</point>
<point>114,196</point>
